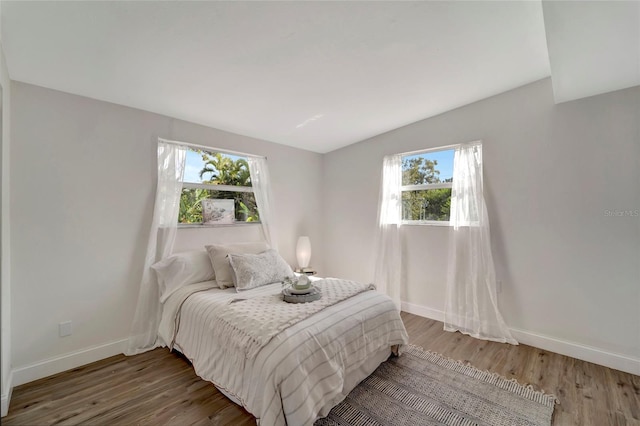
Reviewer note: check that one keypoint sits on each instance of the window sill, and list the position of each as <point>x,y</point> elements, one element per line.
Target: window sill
<point>222,225</point>
<point>425,223</point>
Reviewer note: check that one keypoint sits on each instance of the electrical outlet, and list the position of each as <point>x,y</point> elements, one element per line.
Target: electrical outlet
<point>64,329</point>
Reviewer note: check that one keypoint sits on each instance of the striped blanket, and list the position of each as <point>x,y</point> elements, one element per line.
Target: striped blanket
<point>301,372</point>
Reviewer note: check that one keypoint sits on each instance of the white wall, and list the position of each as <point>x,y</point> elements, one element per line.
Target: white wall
<point>570,273</point>
<point>83,186</point>
<point>5,234</point>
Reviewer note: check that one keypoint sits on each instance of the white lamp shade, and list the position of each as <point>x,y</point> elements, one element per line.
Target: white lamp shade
<point>303,251</point>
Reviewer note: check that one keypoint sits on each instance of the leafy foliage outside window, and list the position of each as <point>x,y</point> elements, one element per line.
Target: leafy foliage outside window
<point>433,204</point>
<point>223,170</point>
<point>426,186</point>
<point>206,170</point>
<point>190,205</point>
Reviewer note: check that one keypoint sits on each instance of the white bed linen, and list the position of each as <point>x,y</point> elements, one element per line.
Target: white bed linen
<point>302,372</point>
<point>170,308</point>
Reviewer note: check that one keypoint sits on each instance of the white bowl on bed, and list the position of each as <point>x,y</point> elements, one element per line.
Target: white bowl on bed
<point>306,290</point>
<point>303,283</point>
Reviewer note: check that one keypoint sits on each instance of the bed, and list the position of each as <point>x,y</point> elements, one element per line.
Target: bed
<point>297,374</point>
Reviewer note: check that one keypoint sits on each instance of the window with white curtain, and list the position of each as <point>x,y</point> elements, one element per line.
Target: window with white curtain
<point>216,190</point>
<point>427,179</point>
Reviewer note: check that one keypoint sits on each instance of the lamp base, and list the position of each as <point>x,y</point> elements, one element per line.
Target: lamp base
<point>307,271</point>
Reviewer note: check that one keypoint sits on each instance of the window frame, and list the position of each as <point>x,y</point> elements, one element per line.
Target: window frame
<point>427,186</point>
<point>214,187</point>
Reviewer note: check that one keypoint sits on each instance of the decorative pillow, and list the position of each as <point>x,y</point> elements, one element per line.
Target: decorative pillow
<point>182,269</point>
<point>218,255</point>
<point>253,270</point>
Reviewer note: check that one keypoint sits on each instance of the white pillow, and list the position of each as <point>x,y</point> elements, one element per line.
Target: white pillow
<point>182,269</point>
<point>254,270</point>
<point>218,255</point>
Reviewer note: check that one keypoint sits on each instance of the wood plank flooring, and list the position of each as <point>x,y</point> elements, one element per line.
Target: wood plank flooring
<point>160,388</point>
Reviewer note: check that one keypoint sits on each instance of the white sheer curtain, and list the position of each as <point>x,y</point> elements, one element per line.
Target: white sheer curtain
<point>388,266</point>
<point>262,190</point>
<point>171,164</point>
<point>471,304</point>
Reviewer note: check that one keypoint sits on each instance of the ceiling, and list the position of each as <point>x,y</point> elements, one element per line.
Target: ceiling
<point>594,47</point>
<point>315,75</point>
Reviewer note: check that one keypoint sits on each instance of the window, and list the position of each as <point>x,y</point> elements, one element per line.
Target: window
<point>216,190</point>
<point>426,187</point>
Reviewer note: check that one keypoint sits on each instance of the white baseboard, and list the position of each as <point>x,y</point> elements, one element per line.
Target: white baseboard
<point>577,350</point>
<point>6,397</point>
<point>564,347</point>
<point>423,311</point>
<point>66,362</point>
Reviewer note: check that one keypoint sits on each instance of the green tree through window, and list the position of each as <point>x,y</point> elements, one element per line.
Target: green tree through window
<point>213,175</point>
<point>426,186</point>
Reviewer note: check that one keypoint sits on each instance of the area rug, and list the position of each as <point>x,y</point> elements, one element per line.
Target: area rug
<point>425,388</point>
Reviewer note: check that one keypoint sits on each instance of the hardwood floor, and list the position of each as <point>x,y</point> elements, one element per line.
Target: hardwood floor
<point>588,394</point>
<point>160,388</point>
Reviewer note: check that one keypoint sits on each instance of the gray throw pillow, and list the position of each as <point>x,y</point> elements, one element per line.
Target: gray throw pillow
<point>218,255</point>
<point>254,270</point>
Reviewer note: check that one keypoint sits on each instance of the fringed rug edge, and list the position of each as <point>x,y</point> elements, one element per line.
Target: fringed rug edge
<point>512,385</point>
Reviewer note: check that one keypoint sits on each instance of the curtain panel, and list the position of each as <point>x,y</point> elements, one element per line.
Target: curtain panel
<point>171,165</point>
<point>471,302</point>
<point>388,256</point>
<point>262,191</point>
